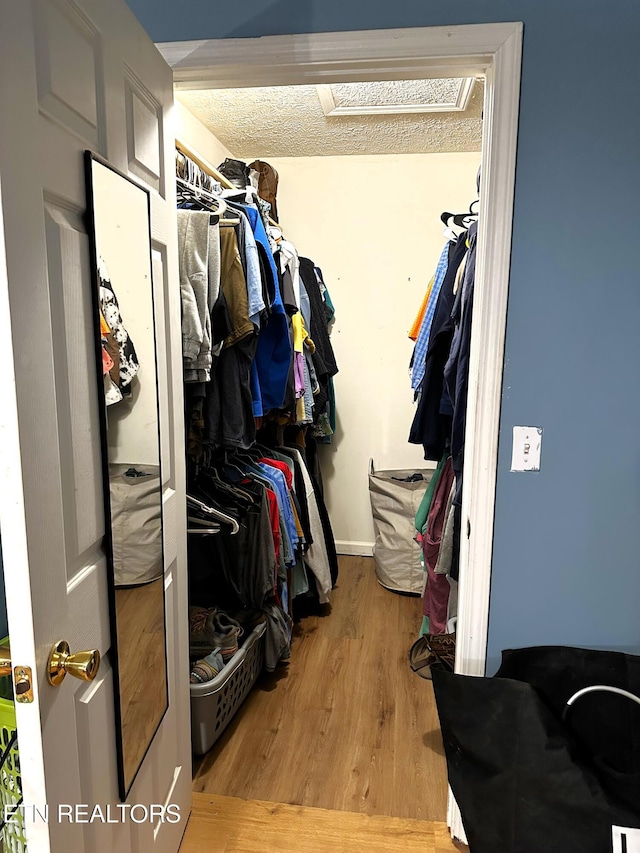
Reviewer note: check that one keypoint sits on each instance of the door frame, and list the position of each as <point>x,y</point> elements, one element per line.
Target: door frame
<point>493,51</point>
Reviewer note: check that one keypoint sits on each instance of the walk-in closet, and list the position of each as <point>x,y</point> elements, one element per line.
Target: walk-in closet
<point>250,414</point>
<point>327,242</point>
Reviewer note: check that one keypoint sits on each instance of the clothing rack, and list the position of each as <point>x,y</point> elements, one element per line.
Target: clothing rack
<point>211,171</point>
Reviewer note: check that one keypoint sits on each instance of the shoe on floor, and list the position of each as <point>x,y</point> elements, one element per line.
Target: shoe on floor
<point>444,648</point>
<point>421,658</point>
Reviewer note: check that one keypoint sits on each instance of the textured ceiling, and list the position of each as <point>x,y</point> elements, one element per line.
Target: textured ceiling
<point>288,121</point>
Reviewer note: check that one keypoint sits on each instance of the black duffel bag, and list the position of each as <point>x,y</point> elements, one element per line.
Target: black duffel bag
<point>545,756</point>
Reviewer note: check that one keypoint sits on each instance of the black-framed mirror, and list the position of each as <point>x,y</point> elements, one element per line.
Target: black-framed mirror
<point>118,213</point>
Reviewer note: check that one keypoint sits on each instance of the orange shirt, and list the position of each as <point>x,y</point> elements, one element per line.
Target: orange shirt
<point>415,328</point>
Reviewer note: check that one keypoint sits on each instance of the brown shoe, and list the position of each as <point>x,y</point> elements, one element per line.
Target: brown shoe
<point>421,658</point>
<point>443,647</point>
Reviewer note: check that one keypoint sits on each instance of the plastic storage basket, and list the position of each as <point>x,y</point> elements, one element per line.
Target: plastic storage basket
<point>214,703</point>
<point>13,833</point>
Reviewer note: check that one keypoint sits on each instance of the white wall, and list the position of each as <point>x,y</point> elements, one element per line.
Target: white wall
<point>122,234</point>
<point>197,137</point>
<point>372,223</point>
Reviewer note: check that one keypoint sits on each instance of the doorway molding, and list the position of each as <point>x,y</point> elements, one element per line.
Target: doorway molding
<point>493,51</point>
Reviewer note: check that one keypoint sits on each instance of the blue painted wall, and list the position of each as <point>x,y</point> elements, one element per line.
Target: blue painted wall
<point>567,540</point>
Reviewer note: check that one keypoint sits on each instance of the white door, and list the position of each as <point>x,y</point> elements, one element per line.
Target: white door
<point>76,75</point>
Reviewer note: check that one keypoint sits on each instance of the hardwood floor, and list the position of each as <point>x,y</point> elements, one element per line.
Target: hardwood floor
<point>346,725</point>
<point>231,825</point>
<point>143,680</point>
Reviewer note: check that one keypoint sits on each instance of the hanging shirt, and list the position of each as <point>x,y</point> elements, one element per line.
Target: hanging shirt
<point>422,343</point>
<point>430,427</point>
<point>249,251</point>
<point>425,504</point>
<point>273,353</point>
<point>436,593</point>
<point>323,356</point>
<point>289,258</point>
<point>304,413</point>
<point>278,478</point>
<point>414,331</point>
<point>456,371</point>
<point>193,253</point>
<point>282,466</point>
<point>234,287</point>
<point>316,557</point>
<point>274,519</point>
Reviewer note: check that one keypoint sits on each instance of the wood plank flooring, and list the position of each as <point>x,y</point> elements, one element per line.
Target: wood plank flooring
<point>346,725</point>
<point>143,681</point>
<point>231,825</point>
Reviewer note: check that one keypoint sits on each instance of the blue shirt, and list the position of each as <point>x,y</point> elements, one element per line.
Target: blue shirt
<point>422,341</point>
<point>254,282</point>
<point>277,479</point>
<point>275,349</point>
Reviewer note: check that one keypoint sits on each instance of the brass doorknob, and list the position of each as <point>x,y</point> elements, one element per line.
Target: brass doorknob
<point>83,665</point>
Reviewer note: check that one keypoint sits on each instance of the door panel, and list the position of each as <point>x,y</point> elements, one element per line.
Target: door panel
<point>144,131</point>
<point>77,75</point>
<point>72,334</point>
<point>68,91</point>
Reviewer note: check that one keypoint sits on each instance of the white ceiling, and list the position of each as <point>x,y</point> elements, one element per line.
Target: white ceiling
<point>401,117</point>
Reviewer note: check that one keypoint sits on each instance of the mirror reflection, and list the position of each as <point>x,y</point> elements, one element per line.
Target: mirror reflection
<point>128,388</point>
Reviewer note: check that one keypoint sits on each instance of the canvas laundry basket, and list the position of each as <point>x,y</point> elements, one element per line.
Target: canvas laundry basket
<point>136,523</point>
<point>395,498</point>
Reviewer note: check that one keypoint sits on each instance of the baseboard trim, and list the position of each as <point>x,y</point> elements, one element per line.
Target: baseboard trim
<point>354,549</point>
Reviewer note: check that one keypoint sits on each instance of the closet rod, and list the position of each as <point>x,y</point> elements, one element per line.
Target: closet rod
<point>214,173</point>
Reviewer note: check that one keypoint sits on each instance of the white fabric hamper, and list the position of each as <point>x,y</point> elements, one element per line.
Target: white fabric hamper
<point>394,504</point>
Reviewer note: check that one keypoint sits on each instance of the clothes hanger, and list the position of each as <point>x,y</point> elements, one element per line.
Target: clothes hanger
<point>234,467</point>
<point>248,194</point>
<point>231,460</point>
<point>212,487</point>
<point>201,195</point>
<point>462,220</point>
<point>452,231</point>
<point>205,522</point>
<point>250,455</point>
<point>235,527</point>
<point>231,491</point>
<point>189,170</point>
<point>208,527</point>
<point>214,513</point>
<point>275,232</point>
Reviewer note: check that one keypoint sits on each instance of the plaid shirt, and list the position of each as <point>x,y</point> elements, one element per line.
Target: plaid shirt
<point>422,343</point>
